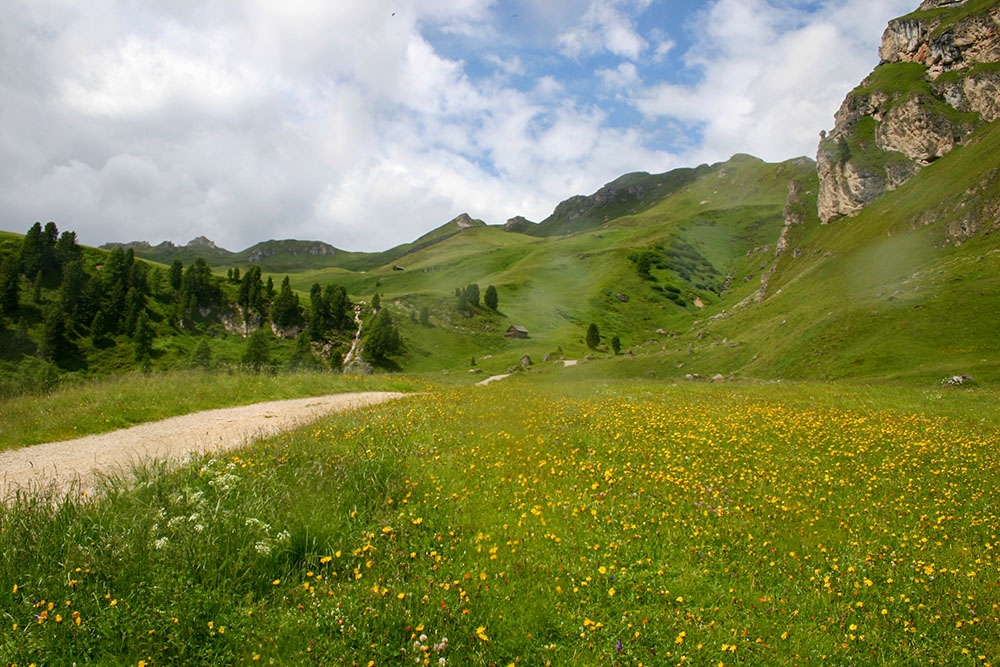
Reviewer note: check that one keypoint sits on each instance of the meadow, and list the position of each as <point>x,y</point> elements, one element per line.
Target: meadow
<point>536,522</point>
<point>99,405</point>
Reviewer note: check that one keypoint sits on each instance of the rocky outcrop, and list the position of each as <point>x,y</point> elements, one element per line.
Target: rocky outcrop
<point>938,81</point>
<point>465,221</point>
<point>519,224</point>
<point>291,247</point>
<point>202,242</point>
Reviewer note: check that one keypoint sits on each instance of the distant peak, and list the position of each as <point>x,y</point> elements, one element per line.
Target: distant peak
<point>518,224</point>
<point>465,221</point>
<point>201,242</point>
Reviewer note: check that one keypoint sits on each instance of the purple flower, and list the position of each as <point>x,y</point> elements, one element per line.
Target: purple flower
<point>618,646</point>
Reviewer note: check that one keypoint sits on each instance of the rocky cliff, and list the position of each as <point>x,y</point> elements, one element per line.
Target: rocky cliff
<point>938,80</point>
<point>262,251</point>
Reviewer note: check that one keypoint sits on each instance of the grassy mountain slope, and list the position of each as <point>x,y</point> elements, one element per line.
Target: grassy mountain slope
<point>905,290</point>
<point>698,238</point>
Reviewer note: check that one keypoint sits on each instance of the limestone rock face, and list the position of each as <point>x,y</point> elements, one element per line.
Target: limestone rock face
<point>936,83</point>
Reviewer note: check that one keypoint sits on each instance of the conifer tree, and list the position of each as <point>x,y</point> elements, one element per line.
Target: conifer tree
<point>285,310</point>
<point>72,292</point>
<point>593,336</point>
<point>302,357</point>
<point>176,274</point>
<point>135,305</point>
<point>257,354</point>
<point>36,287</point>
<point>382,338</point>
<point>202,355</point>
<point>31,251</point>
<point>143,339</point>
<point>54,344</point>
<point>491,300</point>
<point>616,344</point>
<point>10,282</point>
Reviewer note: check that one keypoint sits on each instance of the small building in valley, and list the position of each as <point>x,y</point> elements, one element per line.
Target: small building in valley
<point>516,332</point>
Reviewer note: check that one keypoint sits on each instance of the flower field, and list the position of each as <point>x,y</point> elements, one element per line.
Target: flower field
<point>524,523</point>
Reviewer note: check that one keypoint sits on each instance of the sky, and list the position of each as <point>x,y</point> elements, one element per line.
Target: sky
<point>366,123</point>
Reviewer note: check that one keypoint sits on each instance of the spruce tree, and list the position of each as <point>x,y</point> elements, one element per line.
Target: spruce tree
<point>66,250</point>
<point>72,291</point>
<point>10,282</point>
<point>382,339</point>
<point>616,344</point>
<point>31,251</point>
<point>302,356</point>
<point>491,300</point>
<point>176,274</point>
<point>143,339</point>
<point>593,336</point>
<point>257,355</point>
<point>285,311</point>
<point>36,287</point>
<point>135,305</point>
<point>54,344</point>
<point>202,355</point>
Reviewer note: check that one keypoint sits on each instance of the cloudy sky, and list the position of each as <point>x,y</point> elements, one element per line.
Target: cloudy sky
<point>365,123</point>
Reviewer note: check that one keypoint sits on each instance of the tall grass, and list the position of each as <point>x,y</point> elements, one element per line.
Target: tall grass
<point>614,522</point>
<point>110,403</point>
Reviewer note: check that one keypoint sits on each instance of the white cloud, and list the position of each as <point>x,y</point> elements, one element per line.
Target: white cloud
<point>605,26</point>
<point>244,121</point>
<point>626,75</point>
<point>772,74</point>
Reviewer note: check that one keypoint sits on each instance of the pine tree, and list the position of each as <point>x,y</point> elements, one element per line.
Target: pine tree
<point>593,336</point>
<point>285,312</point>
<point>339,306</point>
<point>251,293</point>
<point>302,357</point>
<point>616,344</point>
<point>31,251</point>
<point>176,274</point>
<point>319,313</point>
<point>66,250</point>
<point>376,302</point>
<point>36,287</point>
<point>135,305</point>
<point>382,338</point>
<point>101,326</point>
<point>471,293</point>
<point>10,282</point>
<point>491,300</point>
<point>143,339</point>
<point>202,355</point>
<point>54,344</point>
<point>72,291</point>
<point>257,355</point>
<point>425,317</point>
<point>50,235</point>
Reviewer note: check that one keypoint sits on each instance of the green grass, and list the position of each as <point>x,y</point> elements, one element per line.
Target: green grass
<point>120,401</point>
<point>597,522</point>
<point>951,16</point>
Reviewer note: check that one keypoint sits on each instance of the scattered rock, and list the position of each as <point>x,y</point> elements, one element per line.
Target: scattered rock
<point>622,297</point>
<point>957,380</point>
<point>475,371</point>
<point>718,377</point>
<point>525,361</point>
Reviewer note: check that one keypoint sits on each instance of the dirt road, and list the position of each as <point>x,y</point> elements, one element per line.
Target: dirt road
<point>63,463</point>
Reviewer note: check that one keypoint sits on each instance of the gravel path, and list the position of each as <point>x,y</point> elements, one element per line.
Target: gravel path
<point>62,463</point>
